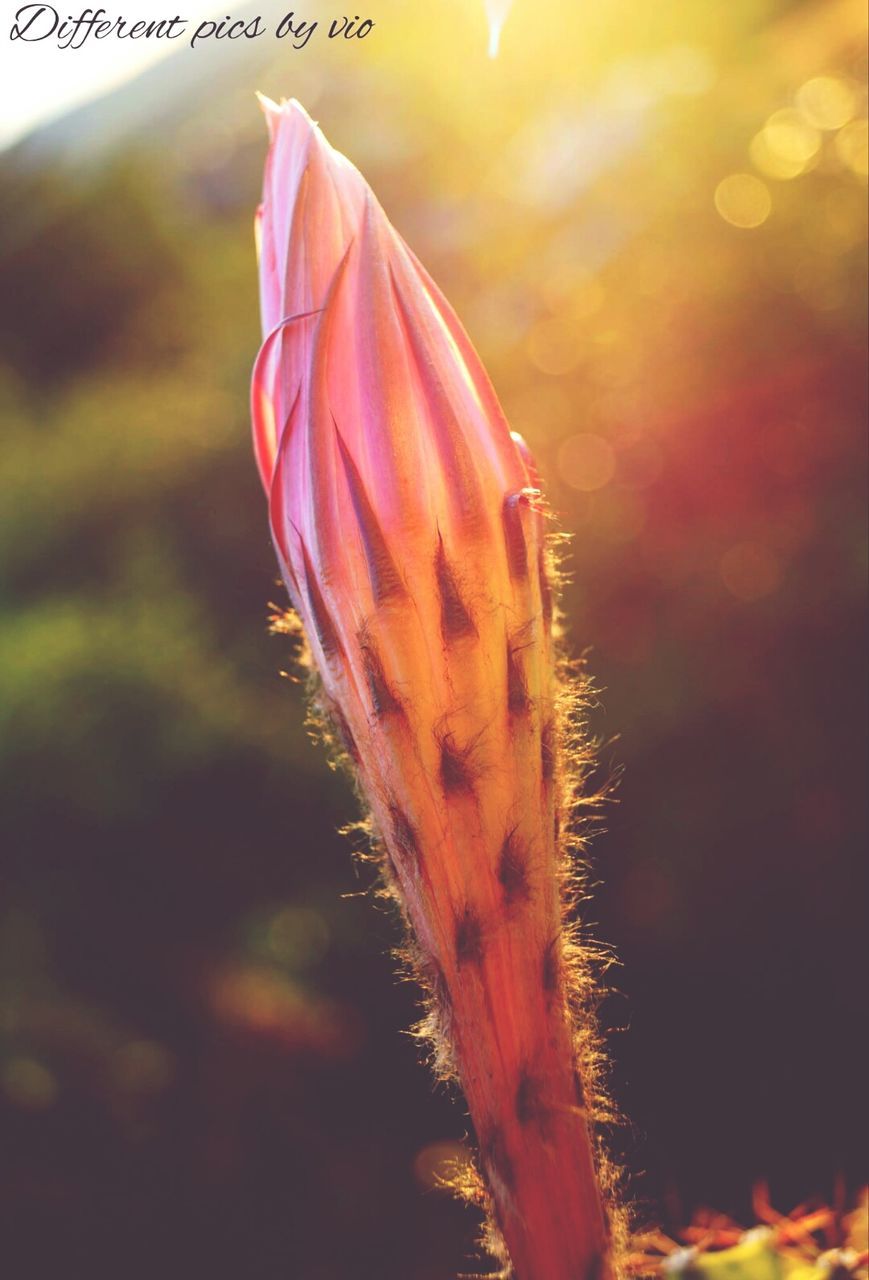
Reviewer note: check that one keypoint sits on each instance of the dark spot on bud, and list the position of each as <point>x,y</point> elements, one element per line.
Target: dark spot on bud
<point>469,938</point>
<point>496,1158</point>
<point>404,835</point>
<point>529,1105</point>
<point>513,870</point>
<point>517,694</point>
<point>579,1089</point>
<point>514,534</point>
<point>383,700</point>
<point>545,588</point>
<point>551,965</point>
<point>385,578</point>
<point>547,751</point>
<point>456,768</point>
<point>344,733</point>
<point>455,619</point>
<point>597,1267</point>
<point>327,634</point>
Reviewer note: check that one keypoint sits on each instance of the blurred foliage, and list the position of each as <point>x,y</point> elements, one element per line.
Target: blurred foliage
<point>201,1069</point>
<point>102,253</point>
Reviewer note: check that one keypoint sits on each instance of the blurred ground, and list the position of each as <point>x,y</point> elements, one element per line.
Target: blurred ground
<point>653,224</point>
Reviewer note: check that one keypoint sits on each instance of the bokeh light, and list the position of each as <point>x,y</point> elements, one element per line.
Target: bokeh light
<point>772,162</point>
<point>743,200</point>
<point>827,102</point>
<point>790,139</point>
<point>852,147</point>
<point>586,462</point>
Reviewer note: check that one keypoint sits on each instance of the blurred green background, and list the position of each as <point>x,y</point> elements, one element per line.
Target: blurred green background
<point>652,220</point>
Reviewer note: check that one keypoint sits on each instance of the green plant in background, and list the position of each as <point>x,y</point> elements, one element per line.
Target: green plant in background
<point>812,1244</point>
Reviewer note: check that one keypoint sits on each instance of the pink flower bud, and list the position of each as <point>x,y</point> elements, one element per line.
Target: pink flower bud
<point>408,525</point>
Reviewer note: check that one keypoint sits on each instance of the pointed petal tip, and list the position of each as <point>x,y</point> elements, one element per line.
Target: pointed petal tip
<point>293,110</point>
<point>294,105</point>
<point>270,110</point>
<point>289,109</point>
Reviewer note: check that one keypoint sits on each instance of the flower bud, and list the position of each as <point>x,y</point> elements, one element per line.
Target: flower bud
<point>410,532</point>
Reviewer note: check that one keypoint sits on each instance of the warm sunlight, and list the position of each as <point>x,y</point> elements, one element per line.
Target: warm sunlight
<point>39,81</point>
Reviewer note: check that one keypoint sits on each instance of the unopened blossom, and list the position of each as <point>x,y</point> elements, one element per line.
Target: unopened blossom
<point>409,530</point>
